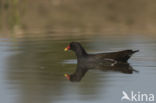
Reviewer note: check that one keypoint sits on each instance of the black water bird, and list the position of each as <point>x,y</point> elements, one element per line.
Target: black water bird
<point>116,61</point>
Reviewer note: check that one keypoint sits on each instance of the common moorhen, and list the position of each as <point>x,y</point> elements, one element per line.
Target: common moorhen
<point>87,61</point>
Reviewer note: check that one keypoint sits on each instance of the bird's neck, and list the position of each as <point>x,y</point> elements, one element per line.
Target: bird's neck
<point>81,53</point>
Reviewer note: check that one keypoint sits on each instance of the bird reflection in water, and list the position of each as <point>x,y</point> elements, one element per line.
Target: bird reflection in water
<point>77,76</point>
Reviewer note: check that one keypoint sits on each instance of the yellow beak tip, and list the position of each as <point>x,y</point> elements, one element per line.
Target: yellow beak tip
<point>65,49</point>
<point>65,75</point>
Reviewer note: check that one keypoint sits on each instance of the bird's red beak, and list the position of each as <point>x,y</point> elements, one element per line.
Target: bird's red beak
<point>67,76</point>
<point>67,48</point>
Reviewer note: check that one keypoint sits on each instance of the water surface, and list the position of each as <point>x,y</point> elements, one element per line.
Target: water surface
<point>32,69</point>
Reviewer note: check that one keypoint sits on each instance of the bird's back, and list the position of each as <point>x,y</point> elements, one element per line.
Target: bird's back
<point>121,56</point>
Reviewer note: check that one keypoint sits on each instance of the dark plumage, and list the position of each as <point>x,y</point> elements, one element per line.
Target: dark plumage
<point>105,61</point>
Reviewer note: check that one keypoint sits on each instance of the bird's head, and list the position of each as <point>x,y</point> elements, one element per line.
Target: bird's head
<point>73,46</point>
<point>77,48</point>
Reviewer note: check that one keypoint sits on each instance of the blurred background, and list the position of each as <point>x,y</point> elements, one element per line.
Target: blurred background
<point>104,16</point>
<point>34,33</point>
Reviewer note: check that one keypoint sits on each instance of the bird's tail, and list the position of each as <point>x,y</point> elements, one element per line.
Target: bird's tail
<point>136,71</point>
<point>135,51</point>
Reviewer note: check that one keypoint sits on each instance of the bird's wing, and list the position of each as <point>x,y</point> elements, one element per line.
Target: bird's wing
<point>121,56</point>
